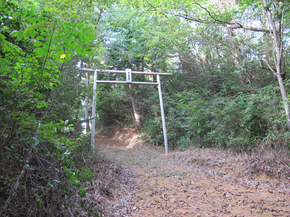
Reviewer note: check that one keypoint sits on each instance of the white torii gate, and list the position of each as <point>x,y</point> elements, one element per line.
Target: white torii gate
<point>128,73</point>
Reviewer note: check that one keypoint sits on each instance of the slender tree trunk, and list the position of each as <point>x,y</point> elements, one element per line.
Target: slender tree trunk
<point>202,66</point>
<point>87,102</point>
<point>137,115</point>
<point>236,54</point>
<point>277,35</point>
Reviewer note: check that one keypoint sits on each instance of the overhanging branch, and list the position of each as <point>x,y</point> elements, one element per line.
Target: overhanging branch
<point>228,24</point>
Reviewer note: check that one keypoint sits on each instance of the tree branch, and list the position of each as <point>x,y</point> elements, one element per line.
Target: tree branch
<point>99,17</point>
<point>46,57</point>
<point>14,188</point>
<point>274,72</point>
<point>151,5</point>
<point>228,24</point>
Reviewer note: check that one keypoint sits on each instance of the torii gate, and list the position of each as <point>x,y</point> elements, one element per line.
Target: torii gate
<point>128,73</point>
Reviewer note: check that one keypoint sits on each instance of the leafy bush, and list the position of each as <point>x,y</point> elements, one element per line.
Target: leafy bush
<point>233,122</point>
<point>38,171</point>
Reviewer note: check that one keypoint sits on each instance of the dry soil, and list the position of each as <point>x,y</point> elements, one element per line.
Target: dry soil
<point>196,182</point>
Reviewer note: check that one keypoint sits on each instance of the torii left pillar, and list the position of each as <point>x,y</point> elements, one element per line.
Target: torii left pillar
<point>94,112</point>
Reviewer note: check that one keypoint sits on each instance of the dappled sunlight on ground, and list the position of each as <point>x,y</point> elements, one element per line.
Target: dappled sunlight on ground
<point>125,139</point>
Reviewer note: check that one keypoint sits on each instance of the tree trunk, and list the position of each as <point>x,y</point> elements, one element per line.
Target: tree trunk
<point>137,115</point>
<point>278,47</point>
<point>236,54</point>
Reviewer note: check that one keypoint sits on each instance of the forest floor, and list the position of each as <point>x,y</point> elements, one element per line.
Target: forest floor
<point>195,182</point>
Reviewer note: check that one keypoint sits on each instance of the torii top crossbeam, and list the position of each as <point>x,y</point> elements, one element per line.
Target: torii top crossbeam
<point>128,73</point>
<point>123,72</point>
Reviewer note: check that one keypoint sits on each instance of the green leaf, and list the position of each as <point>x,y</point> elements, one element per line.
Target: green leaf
<point>86,39</point>
<point>68,24</point>
<point>43,51</point>
<point>84,53</point>
<point>25,12</point>
<point>57,47</point>
<point>16,14</point>
<point>79,49</point>
<point>36,50</point>
<point>30,28</point>
<point>38,43</point>
<point>68,57</point>
<point>32,13</point>
<point>69,51</point>
<point>80,26</point>
<point>91,35</point>
<point>26,35</point>
<point>32,33</point>
<point>90,53</point>
<point>74,44</point>
<point>58,53</point>
<point>28,19</point>
<point>65,35</point>
<point>46,46</point>
<point>2,37</point>
<point>70,39</point>
<point>39,38</point>
<point>65,40</point>
<point>14,33</point>
<point>19,36</point>
<point>66,30</point>
<point>47,41</point>
<point>39,52</point>
<point>86,30</point>
<point>67,45</point>
<point>75,32</point>
<point>34,20</point>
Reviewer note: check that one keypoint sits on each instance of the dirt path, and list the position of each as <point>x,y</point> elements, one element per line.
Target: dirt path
<point>194,183</point>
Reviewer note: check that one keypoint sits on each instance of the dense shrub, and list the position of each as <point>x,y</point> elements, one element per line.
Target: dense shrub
<point>233,122</point>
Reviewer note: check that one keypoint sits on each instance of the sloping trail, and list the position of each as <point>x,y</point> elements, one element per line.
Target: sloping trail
<point>191,183</point>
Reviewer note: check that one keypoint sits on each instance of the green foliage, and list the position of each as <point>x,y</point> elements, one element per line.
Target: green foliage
<point>222,93</point>
<point>39,133</point>
<point>234,122</point>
